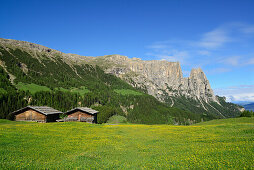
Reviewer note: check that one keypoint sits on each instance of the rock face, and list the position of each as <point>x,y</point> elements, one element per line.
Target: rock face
<point>197,85</point>
<point>161,78</point>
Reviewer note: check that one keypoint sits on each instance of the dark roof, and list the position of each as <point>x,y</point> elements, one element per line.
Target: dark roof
<point>41,109</point>
<point>84,109</point>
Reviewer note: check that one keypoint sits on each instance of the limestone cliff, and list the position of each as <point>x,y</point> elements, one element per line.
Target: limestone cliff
<point>161,78</point>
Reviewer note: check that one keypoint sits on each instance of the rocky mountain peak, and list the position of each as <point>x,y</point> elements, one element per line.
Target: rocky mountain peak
<point>197,73</point>
<point>198,86</point>
<point>162,78</point>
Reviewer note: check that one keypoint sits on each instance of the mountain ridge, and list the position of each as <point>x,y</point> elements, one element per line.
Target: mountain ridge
<point>123,65</point>
<point>162,79</point>
<point>160,76</point>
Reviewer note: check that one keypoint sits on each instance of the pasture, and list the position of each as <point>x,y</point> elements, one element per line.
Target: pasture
<point>33,88</point>
<point>127,92</point>
<point>217,144</point>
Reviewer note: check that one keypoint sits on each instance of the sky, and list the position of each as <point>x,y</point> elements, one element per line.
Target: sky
<point>215,35</point>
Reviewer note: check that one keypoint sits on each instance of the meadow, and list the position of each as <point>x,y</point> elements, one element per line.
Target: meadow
<point>33,88</point>
<point>127,92</point>
<point>217,144</point>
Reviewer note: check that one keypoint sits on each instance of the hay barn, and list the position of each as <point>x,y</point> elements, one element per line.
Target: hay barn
<point>37,114</point>
<point>82,114</point>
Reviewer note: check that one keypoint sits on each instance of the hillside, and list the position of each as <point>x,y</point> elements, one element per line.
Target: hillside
<point>73,145</point>
<point>44,76</point>
<point>43,80</point>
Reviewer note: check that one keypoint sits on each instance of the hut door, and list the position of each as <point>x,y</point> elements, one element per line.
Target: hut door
<point>30,115</point>
<point>79,116</point>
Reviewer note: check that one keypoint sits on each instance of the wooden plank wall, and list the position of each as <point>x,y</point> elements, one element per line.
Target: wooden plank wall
<point>30,115</point>
<point>79,114</point>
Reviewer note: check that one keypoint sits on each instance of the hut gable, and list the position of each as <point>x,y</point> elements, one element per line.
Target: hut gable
<point>37,113</point>
<point>82,114</point>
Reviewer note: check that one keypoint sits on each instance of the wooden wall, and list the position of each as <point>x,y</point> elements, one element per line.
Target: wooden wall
<point>30,115</point>
<point>79,115</point>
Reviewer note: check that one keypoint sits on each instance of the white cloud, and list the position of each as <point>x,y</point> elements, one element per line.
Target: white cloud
<point>237,61</point>
<point>227,33</point>
<point>204,52</point>
<point>207,50</point>
<point>234,61</point>
<point>237,93</point>
<point>157,46</point>
<point>247,29</point>
<point>251,61</point>
<point>218,70</point>
<point>171,55</point>
<point>165,50</point>
<point>249,97</point>
<point>215,38</point>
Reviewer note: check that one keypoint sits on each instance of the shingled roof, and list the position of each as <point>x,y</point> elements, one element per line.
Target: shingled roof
<point>84,109</point>
<point>41,109</point>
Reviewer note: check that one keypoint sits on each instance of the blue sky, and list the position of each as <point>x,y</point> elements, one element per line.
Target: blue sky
<point>216,35</point>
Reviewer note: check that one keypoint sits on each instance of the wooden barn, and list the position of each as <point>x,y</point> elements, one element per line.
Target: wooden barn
<point>37,114</point>
<point>82,114</point>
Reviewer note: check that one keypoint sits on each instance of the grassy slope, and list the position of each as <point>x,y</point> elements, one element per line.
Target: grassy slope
<point>82,90</point>
<point>33,88</point>
<point>219,144</point>
<point>127,92</point>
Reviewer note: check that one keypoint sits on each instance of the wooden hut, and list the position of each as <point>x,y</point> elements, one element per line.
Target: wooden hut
<point>82,114</point>
<point>37,114</point>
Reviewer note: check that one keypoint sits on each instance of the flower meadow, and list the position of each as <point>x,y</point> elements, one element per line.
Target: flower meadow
<point>217,144</point>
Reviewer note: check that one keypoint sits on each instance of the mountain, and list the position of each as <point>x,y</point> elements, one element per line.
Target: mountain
<point>241,102</point>
<point>114,84</point>
<point>164,80</point>
<point>249,106</point>
<point>159,77</point>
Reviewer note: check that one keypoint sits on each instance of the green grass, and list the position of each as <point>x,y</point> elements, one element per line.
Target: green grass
<point>218,144</point>
<point>127,92</point>
<point>33,88</point>
<point>82,90</point>
<point>62,89</point>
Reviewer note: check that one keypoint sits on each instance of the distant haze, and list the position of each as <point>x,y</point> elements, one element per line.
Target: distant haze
<point>237,94</point>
